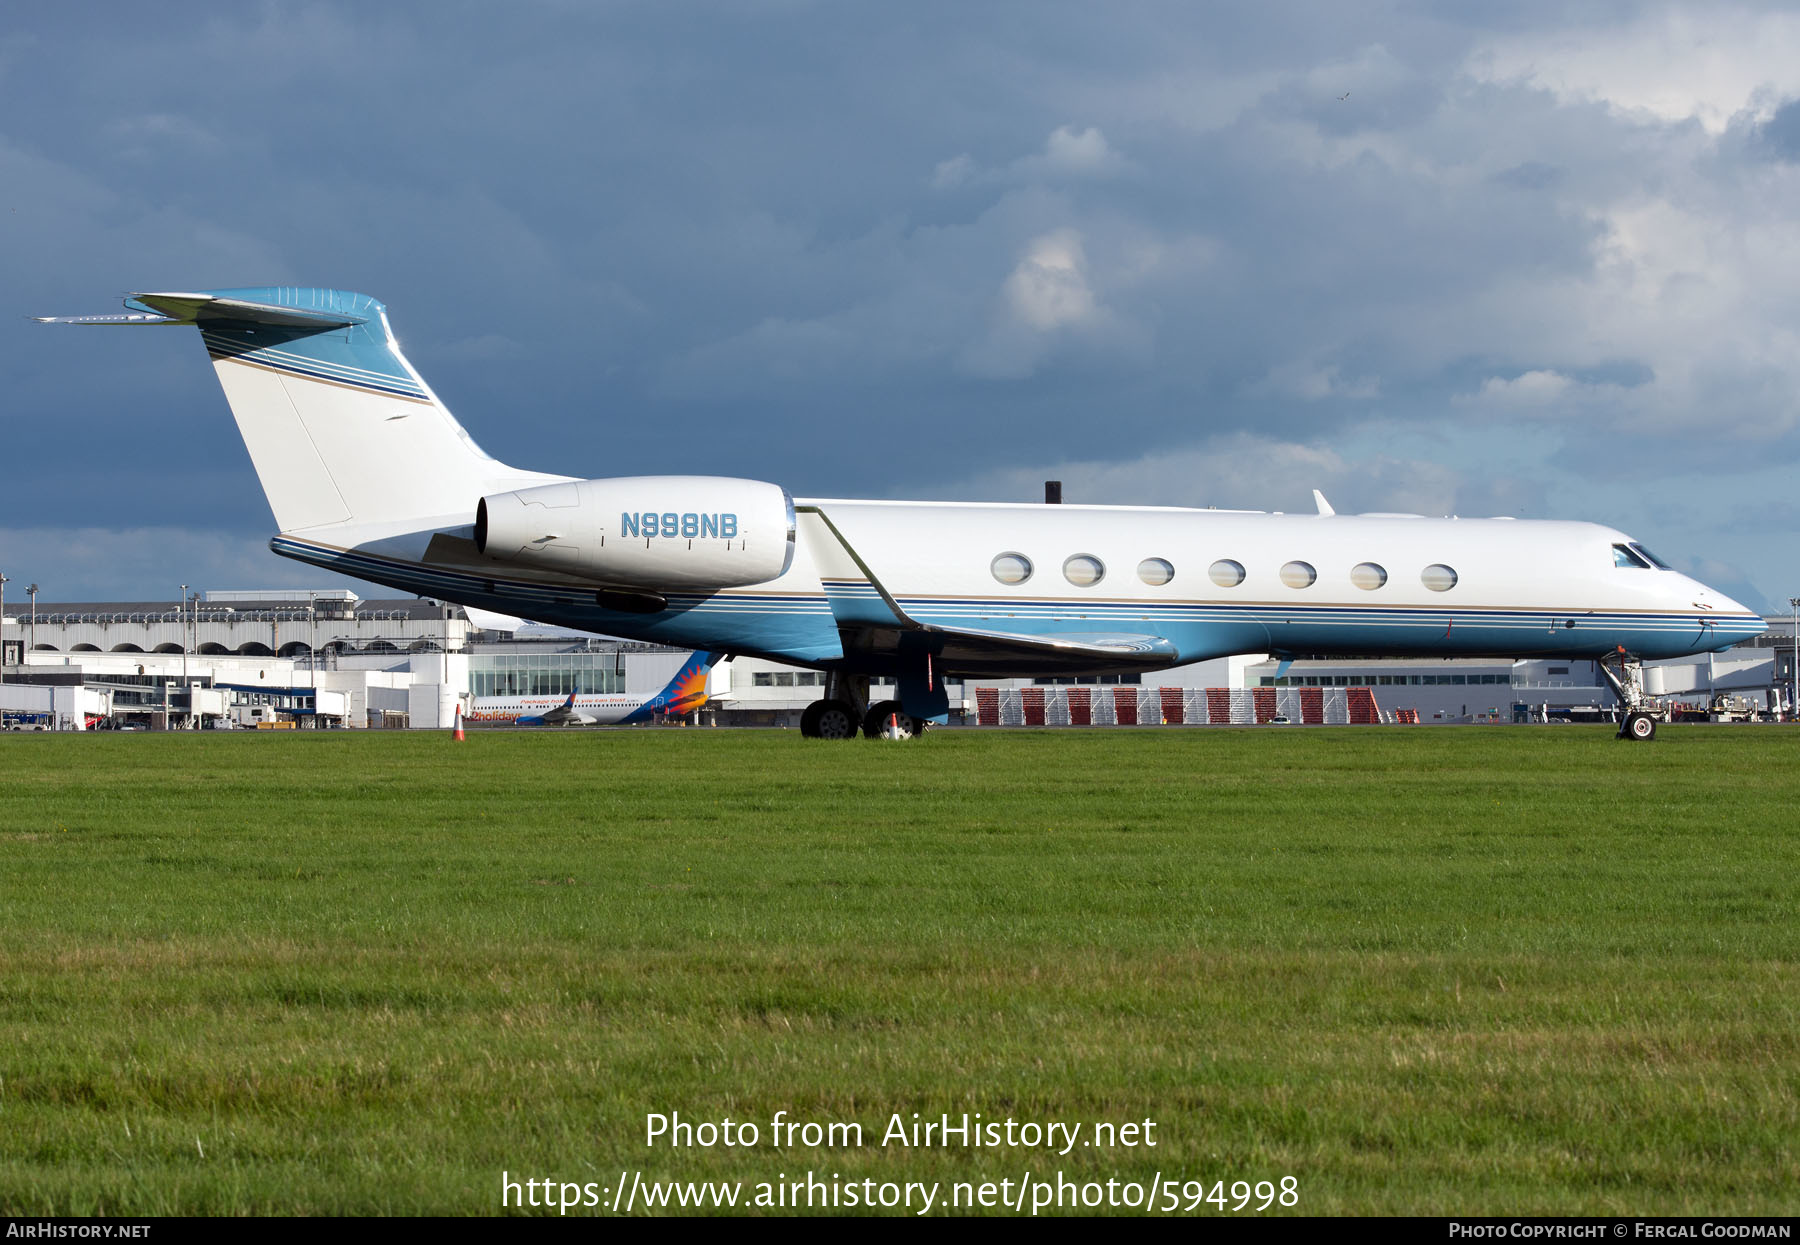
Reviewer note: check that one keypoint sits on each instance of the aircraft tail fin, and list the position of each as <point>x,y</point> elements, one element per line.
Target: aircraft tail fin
<point>687,691</point>
<point>684,693</point>
<point>340,427</point>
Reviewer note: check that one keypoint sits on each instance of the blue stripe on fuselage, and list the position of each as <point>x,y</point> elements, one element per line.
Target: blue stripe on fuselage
<point>802,627</point>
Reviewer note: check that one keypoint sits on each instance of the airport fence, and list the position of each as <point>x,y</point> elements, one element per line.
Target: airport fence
<point>1175,706</point>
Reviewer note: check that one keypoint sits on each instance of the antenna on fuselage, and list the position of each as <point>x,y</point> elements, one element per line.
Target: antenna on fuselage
<point>1053,492</point>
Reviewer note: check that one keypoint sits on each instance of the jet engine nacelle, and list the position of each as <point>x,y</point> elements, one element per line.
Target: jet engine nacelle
<point>659,533</point>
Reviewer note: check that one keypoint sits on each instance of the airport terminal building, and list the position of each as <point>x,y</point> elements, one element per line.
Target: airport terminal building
<point>327,659</point>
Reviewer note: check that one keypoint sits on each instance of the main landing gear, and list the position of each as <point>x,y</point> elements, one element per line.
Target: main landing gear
<point>886,720</point>
<point>1638,714</point>
<point>846,711</point>
<point>829,719</point>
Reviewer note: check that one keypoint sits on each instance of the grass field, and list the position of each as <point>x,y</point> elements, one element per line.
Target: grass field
<point>1455,970</point>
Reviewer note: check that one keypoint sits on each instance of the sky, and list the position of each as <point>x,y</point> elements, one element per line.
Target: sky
<point>1540,261</point>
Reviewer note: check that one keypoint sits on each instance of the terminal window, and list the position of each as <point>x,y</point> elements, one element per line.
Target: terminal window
<point>544,674</point>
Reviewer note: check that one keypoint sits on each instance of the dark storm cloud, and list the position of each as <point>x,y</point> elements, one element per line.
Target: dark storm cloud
<point>926,250</point>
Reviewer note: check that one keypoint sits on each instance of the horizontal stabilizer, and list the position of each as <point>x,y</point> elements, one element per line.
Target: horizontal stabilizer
<point>119,317</point>
<point>177,308</point>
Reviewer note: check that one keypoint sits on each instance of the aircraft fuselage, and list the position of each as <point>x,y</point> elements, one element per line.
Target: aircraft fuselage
<point>868,575</point>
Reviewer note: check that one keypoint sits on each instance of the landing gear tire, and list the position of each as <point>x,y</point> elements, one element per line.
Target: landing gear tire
<point>1638,726</point>
<point>828,719</point>
<point>886,720</point>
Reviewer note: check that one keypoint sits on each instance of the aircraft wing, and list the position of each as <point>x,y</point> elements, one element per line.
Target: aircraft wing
<point>999,654</point>
<point>1095,652</point>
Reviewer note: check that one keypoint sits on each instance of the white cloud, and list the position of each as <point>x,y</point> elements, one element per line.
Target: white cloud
<point>1552,398</point>
<point>1069,154</point>
<point>1706,64</point>
<point>1697,290</point>
<point>1072,151</point>
<point>1537,388</point>
<point>1049,287</point>
<point>1047,304</point>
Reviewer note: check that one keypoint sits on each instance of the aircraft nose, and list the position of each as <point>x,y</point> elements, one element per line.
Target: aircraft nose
<point>1734,620</point>
<point>1716,601</point>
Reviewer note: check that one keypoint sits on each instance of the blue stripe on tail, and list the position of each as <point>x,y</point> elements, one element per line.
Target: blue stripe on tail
<point>357,354</point>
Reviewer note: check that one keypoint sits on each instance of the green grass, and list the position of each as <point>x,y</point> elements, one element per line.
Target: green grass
<point>1420,970</point>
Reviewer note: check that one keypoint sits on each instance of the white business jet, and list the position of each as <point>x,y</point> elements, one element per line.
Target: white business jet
<point>368,474</point>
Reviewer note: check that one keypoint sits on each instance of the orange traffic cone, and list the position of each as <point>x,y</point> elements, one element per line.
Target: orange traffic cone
<point>459,730</point>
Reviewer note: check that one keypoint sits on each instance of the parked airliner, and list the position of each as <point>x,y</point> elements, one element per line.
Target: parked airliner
<point>684,693</point>
<point>369,474</point>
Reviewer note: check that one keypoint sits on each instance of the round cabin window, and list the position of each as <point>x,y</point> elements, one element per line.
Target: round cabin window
<point>1299,575</point>
<point>1438,577</point>
<point>1084,570</point>
<point>1156,571</point>
<point>1012,568</point>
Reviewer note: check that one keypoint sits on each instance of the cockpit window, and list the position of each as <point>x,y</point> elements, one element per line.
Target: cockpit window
<point>1655,561</point>
<point>1623,556</point>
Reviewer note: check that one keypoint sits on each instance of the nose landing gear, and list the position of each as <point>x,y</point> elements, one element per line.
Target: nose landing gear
<point>1638,714</point>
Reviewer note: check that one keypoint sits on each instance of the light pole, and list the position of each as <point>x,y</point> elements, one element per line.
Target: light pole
<point>184,649</point>
<point>3,582</point>
<point>1794,670</point>
<point>31,592</point>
